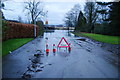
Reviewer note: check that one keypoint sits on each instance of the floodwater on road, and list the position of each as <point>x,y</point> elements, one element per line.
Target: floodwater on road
<point>85,60</point>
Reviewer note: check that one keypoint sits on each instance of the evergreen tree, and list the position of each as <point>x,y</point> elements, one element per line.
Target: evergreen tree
<point>81,22</point>
<point>112,21</point>
<point>103,10</point>
<point>114,18</point>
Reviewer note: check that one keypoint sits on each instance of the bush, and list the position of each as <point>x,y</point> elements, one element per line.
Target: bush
<point>40,27</point>
<point>103,29</point>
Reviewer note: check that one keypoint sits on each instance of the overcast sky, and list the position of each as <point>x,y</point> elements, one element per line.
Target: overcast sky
<point>56,9</point>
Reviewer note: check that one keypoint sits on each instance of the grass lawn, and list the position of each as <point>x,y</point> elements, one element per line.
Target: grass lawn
<point>101,38</point>
<point>12,44</point>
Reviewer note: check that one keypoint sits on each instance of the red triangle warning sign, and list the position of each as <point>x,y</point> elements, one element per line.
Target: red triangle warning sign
<point>63,43</point>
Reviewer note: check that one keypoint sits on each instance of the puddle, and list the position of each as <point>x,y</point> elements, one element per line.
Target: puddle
<point>41,63</point>
<point>38,70</point>
<point>64,54</point>
<point>88,50</point>
<point>42,67</point>
<point>82,39</point>
<point>49,64</point>
<point>39,51</point>
<point>37,55</point>
<point>89,61</point>
<point>26,76</point>
<point>112,61</point>
<point>28,51</point>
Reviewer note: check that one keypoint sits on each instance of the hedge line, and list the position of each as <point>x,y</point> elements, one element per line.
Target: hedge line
<point>19,30</point>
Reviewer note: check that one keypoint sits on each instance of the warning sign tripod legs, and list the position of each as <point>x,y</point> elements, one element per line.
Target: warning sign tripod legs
<point>69,48</point>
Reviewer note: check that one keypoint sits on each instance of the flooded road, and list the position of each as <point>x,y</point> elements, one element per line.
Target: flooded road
<point>86,59</point>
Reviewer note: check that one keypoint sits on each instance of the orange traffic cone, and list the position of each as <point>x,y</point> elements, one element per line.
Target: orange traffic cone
<point>54,50</point>
<point>47,50</point>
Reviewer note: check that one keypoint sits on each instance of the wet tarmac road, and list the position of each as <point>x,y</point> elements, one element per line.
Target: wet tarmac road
<point>86,59</point>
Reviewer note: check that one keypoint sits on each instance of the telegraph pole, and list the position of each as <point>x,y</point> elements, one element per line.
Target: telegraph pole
<point>34,28</point>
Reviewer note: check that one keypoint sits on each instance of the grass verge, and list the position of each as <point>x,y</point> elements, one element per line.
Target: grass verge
<point>12,44</point>
<point>100,38</point>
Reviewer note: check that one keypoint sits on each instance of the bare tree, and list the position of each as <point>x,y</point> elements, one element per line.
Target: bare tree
<point>69,19</point>
<point>35,9</point>
<point>2,6</point>
<point>20,19</point>
<point>72,16</point>
<point>91,14</point>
